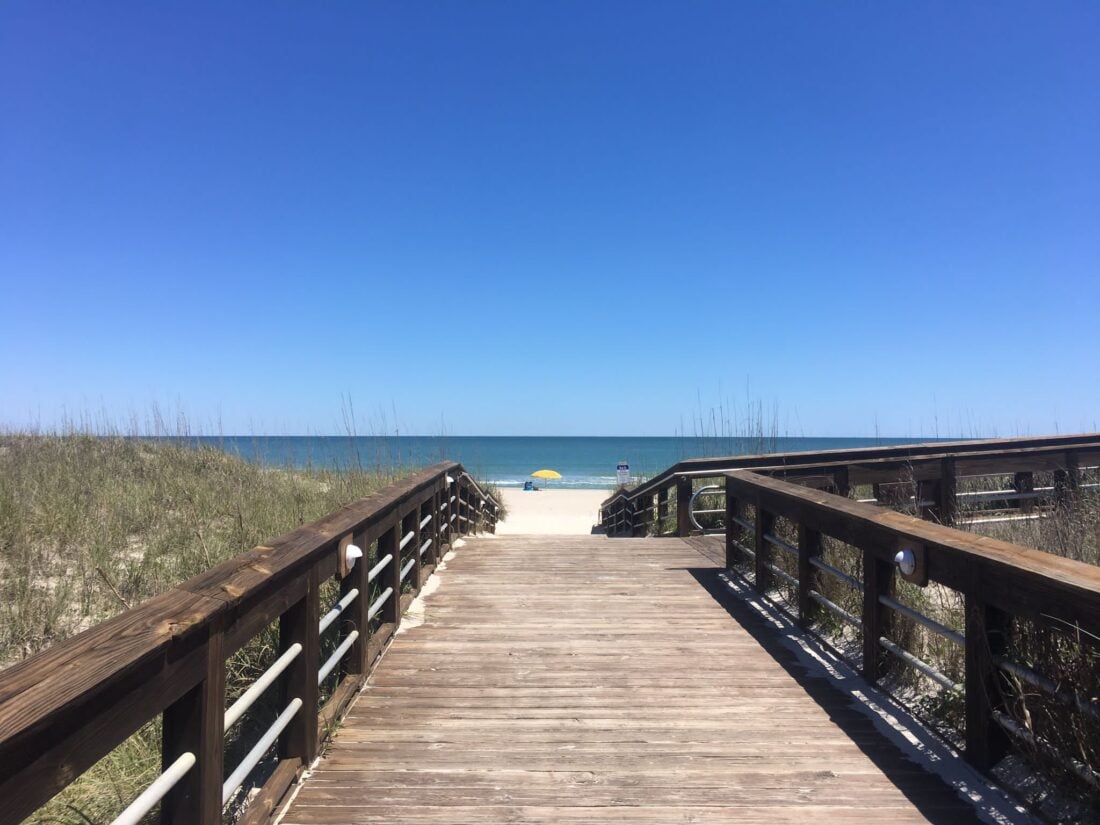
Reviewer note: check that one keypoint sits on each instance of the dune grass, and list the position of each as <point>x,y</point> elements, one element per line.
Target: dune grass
<point>92,525</point>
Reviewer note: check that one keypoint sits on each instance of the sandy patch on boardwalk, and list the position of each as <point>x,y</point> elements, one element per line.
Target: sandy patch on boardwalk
<point>555,512</point>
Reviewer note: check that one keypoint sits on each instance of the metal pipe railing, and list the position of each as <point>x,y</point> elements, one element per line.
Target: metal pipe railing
<point>253,757</point>
<point>379,567</point>
<point>840,575</point>
<point>834,608</point>
<point>137,810</point>
<point>337,609</point>
<point>265,680</point>
<point>332,661</point>
<point>921,619</point>
<point>782,545</point>
<point>919,664</point>
<point>377,604</point>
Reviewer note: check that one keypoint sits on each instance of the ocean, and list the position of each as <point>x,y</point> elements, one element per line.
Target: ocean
<point>507,461</point>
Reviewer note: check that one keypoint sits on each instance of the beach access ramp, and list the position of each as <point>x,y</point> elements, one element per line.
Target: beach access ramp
<point>726,647</point>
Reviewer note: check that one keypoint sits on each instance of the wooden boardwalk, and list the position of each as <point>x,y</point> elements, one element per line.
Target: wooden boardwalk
<point>586,679</point>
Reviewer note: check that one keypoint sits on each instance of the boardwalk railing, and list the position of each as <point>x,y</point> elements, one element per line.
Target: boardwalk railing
<point>924,475</point>
<point>67,707</point>
<point>1008,592</point>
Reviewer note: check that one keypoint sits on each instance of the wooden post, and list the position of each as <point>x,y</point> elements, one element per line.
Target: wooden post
<point>411,524</point>
<point>878,580</point>
<point>987,631</point>
<point>193,723</point>
<point>928,490</point>
<point>429,508</point>
<point>733,555</point>
<point>299,624</point>
<point>391,575</point>
<point>809,547</point>
<point>947,504</point>
<point>662,510</point>
<point>1024,483</point>
<point>683,506</point>
<point>439,520</point>
<point>355,617</point>
<point>639,522</point>
<point>840,482</point>
<point>456,511</point>
<point>1067,480</point>
<point>765,522</point>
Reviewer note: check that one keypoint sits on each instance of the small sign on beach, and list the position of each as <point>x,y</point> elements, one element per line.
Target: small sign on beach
<point>623,473</point>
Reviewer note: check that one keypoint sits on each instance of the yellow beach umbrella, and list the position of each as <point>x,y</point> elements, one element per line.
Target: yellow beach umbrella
<point>545,474</point>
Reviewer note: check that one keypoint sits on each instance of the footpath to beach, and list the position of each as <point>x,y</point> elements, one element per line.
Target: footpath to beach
<point>551,512</point>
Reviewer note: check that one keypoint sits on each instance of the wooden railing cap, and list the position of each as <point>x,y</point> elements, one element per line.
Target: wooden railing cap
<point>1019,580</point>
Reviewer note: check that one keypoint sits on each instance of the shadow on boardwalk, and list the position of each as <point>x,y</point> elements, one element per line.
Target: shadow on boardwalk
<point>559,679</point>
<point>929,794</point>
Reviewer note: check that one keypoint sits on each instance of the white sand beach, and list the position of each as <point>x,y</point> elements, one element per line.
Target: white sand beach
<point>558,512</point>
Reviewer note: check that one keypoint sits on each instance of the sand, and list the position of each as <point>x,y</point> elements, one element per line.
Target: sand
<point>551,512</point>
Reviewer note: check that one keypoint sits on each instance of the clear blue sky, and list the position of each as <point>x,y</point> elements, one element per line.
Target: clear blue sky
<point>553,217</point>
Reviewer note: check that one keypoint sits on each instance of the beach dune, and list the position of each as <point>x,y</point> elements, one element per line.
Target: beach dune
<point>551,512</point>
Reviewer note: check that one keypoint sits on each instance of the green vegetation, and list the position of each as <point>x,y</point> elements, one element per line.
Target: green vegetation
<point>92,525</point>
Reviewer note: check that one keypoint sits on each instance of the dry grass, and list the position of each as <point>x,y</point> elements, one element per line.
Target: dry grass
<point>91,525</point>
<point>1069,659</point>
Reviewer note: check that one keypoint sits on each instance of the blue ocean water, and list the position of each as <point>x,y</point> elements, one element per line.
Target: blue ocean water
<point>584,462</point>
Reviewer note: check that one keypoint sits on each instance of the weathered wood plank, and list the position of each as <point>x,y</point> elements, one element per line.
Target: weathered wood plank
<point>585,679</point>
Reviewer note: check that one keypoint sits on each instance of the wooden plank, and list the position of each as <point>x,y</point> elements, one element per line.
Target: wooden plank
<point>63,709</point>
<point>540,688</point>
<point>263,806</point>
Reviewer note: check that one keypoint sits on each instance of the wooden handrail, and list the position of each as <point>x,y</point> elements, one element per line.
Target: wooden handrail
<point>835,457</point>
<point>935,466</point>
<point>1019,580</point>
<point>65,708</point>
<point>998,580</point>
